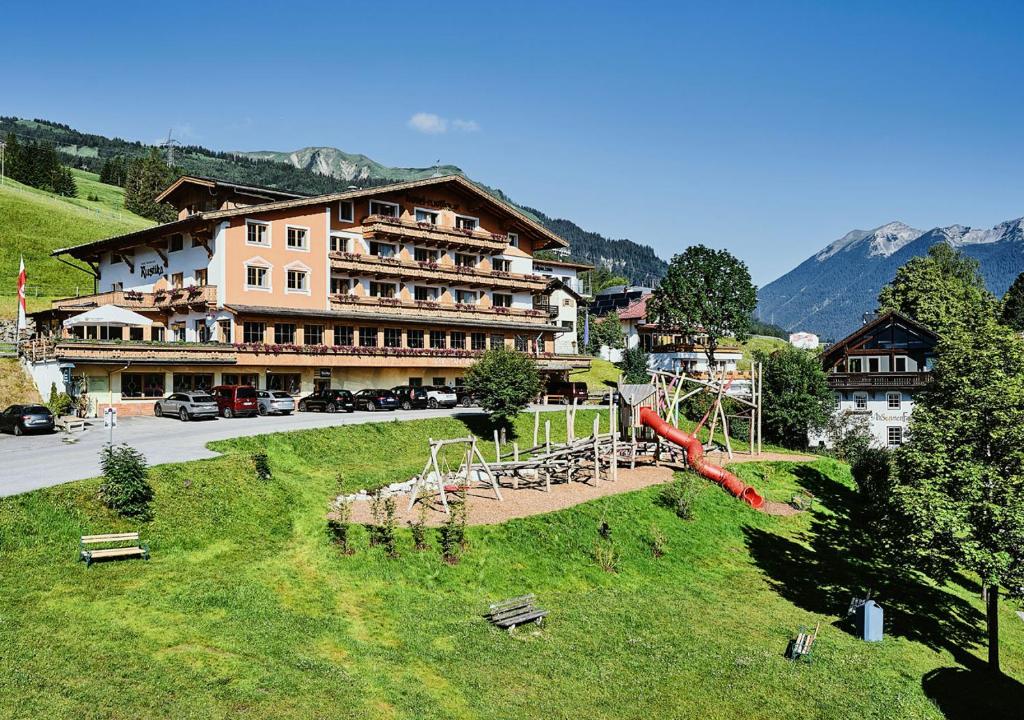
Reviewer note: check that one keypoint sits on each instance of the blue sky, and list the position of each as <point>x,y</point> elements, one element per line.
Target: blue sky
<point>766,128</point>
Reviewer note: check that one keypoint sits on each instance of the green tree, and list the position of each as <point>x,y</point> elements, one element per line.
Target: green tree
<point>960,477</point>
<point>634,366</point>
<point>795,397</point>
<point>602,278</point>
<point>705,292</point>
<point>1013,305</point>
<point>125,489</point>
<point>146,178</point>
<point>506,382</point>
<point>939,290</point>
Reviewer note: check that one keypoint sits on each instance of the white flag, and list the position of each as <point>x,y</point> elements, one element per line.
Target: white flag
<point>22,314</point>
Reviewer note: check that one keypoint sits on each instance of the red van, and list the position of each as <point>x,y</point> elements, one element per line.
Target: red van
<point>235,400</point>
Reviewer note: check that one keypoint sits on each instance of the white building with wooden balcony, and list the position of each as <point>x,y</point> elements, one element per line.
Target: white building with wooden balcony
<point>400,284</point>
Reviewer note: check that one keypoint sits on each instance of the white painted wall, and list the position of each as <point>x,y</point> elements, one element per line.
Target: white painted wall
<point>186,261</point>
<point>45,374</point>
<point>879,416</point>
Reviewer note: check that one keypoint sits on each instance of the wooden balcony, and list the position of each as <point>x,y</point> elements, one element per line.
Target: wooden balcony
<point>194,296</point>
<point>114,351</point>
<point>843,381</point>
<point>382,226</point>
<point>434,273</point>
<point>382,308</point>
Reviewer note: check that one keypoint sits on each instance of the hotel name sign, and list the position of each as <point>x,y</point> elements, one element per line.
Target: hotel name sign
<point>903,417</point>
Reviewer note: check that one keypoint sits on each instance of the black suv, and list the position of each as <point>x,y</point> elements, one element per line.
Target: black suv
<point>410,397</point>
<point>376,399</point>
<point>328,401</point>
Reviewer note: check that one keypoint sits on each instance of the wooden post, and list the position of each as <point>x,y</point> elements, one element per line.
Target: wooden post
<point>760,399</point>
<point>615,458</point>
<point>497,446</point>
<point>440,480</point>
<point>597,457</point>
<point>725,430</point>
<point>547,435</point>
<point>536,426</point>
<point>474,450</point>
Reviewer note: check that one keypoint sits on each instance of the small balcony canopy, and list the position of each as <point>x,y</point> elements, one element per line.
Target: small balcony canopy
<point>110,315</point>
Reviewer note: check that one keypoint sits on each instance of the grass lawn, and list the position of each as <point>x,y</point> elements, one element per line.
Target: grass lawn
<point>15,384</point>
<point>33,223</point>
<point>247,610</point>
<point>754,343</point>
<point>600,378</point>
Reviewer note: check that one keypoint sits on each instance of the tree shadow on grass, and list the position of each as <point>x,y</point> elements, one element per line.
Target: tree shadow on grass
<point>974,692</point>
<point>828,565</point>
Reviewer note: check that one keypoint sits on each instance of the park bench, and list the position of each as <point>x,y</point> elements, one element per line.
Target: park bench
<point>515,611</point>
<point>117,545</point>
<point>804,642</point>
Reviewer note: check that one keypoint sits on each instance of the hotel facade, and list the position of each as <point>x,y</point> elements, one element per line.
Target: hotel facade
<point>401,284</point>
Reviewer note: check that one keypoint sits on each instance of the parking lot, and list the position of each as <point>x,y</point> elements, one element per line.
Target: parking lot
<point>35,461</point>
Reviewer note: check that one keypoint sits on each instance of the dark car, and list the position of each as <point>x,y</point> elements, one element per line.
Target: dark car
<point>410,397</point>
<point>235,400</point>
<point>569,391</point>
<point>376,399</point>
<point>20,419</point>
<point>464,397</point>
<point>328,401</point>
<point>187,406</point>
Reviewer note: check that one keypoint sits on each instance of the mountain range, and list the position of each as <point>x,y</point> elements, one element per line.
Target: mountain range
<point>315,170</point>
<point>829,292</point>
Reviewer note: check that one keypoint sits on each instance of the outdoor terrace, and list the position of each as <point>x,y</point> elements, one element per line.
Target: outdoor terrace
<point>381,307</point>
<point>427,234</point>
<point>379,267</point>
<point>841,381</point>
<point>191,296</point>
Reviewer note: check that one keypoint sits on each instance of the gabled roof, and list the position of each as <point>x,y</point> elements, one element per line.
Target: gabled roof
<point>636,310</point>
<point>563,263</point>
<point>558,283</point>
<point>866,330</point>
<point>269,194</point>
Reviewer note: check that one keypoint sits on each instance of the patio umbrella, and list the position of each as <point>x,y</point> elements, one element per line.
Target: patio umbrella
<point>111,315</point>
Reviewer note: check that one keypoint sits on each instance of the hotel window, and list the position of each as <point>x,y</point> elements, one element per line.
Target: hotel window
<point>368,337</point>
<point>894,400</point>
<point>177,280</point>
<point>257,277</point>
<point>188,382</point>
<point>855,365</point>
<point>458,341</point>
<point>284,333</point>
<point>298,281</point>
<point>346,211</point>
<point>424,255</point>
<point>339,243</point>
<point>202,330</point>
<point>465,297</point>
<point>415,382</point>
<point>387,209</point>
<point>200,276</point>
<point>478,341</point>
<point>900,364</point>
<point>522,343</point>
<point>178,332</point>
<point>382,249</point>
<point>513,239</point>
<point>250,379</point>
<point>135,334</point>
<point>437,339</point>
<point>501,300</point>
<point>257,233</point>
<point>426,216</point>
<point>290,383</point>
<point>463,260</point>
<point>384,290</point>
<point>873,365</point>
<point>424,293</point>
<point>156,333</point>
<point>894,435</point>
<point>177,242</point>
<point>438,381</point>
<point>313,335</point>
<point>343,335</point>
<point>340,286</point>
<point>860,401</point>
<point>139,385</point>
<point>500,265</point>
<point>497,341</point>
<point>253,332</point>
<point>569,324</point>
<point>837,398</point>
<point>392,337</point>
<point>224,331</point>
<point>298,238</point>
<point>414,338</point>
<point>466,223</point>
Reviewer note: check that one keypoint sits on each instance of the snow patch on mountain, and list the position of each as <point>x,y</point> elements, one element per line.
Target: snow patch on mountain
<point>883,240</point>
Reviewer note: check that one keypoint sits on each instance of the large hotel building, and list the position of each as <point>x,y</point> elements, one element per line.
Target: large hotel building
<point>400,284</point>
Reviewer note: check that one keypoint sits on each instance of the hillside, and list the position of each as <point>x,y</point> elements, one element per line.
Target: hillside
<point>33,223</point>
<point>829,292</point>
<point>315,170</point>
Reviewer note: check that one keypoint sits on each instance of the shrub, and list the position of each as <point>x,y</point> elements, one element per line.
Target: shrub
<point>873,474</point>
<point>680,495</point>
<point>339,528</point>
<point>506,381</point>
<point>657,542</point>
<point>452,534</point>
<point>634,366</point>
<point>849,436</point>
<point>419,528</point>
<point>606,556</point>
<point>387,527</point>
<point>126,489</point>
<point>60,403</point>
<point>261,464</point>
<point>92,197</point>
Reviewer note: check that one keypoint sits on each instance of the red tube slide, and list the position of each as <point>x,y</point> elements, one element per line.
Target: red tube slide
<point>695,457</point>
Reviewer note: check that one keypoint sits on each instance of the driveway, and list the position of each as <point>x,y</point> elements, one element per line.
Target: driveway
<point>35,461</point>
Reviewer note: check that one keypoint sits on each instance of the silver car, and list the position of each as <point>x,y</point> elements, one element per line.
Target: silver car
<point>274,402</point>
<point>187,405</point>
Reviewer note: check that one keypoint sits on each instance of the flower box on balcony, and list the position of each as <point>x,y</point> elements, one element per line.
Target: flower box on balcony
<point>389,301</point>
<point>427,264</point>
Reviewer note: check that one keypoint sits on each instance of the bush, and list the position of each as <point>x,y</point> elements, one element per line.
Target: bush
<point>506,381</point>
<point>680,495</point>
<point>657,542</point>
<point>419,528</point>
<point>873,474</point>
<point>606,556</point>
<point>634,366</point>
<point>261,464</point>
<point>60,403</point>
<point>339,529</point>
<point>849,436</point>
<point>126,489</point>
<point>452,534</point>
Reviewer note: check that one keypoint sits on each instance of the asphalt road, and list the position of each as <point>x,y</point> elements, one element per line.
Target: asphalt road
<point>30,462</point>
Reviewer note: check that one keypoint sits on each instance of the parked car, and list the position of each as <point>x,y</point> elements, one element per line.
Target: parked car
<point>441,396</point>
<point>235,400</point>
<point>328,401</point>
<point>569,391</point>
<point>187,406</point>
<point>20,419</point>
<point>376,399</point>
<point>410,397</point>
<point>465,398</point>
<point>274,402</point>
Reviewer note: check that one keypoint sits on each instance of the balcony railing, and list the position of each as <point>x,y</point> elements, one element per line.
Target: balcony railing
<point>377,306</point>
<point>427,271</point>
<point>877,380</point>
<point>191,296</point>
<point>428,234</point>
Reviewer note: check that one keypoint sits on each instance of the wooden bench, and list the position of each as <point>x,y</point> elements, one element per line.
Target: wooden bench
<point>801,646</point>
<point>515,611</point>
<point>118,546</point>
